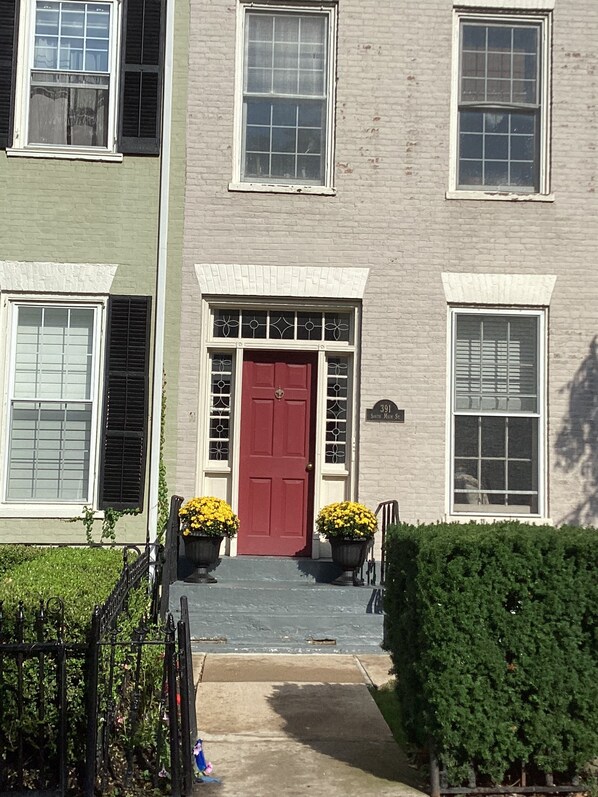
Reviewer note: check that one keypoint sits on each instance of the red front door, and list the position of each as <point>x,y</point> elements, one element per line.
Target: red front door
<point>277,448</point>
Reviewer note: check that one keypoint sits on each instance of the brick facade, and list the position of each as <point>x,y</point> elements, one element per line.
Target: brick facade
<point>391,215</point>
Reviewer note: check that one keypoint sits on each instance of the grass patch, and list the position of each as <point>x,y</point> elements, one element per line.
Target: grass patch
<point>388,704</point>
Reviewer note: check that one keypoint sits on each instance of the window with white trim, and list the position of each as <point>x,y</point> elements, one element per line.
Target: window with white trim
<point>286,97</point>
<point>221,399</point>
<point>273,324</point>
<point>71,73</point>
<point>52,403</point>
<point>75,433</point>
<point>338,403</point>
<point>497,401</point>
<point>502,103</point>
<point>86,78</point>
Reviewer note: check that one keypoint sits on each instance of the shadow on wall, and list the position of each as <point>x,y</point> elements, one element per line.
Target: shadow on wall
<point>577,442</point>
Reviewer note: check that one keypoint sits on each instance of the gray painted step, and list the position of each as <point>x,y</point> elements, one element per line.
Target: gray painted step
<point>268,568</point>
<point>272,616</point>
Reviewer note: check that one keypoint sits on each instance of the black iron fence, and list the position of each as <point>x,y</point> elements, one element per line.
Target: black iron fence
<point>522,779</point>
<point>113,714</point>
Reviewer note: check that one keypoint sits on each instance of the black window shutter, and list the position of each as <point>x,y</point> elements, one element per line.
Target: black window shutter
<point>9,12</point>
<point>141,76</point>
<point>126,387</point>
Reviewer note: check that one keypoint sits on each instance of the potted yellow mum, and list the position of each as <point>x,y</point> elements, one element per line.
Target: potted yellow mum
<point>205,522</point>
<point>349,527</point>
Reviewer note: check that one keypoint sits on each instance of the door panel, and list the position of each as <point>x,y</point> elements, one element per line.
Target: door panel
<point>277,443</point>
<point>260,500</point>
<point>262,428</point>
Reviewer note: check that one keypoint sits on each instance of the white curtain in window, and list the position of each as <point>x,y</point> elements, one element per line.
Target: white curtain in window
<point>71,115</point>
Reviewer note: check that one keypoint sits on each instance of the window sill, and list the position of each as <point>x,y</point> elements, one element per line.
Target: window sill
<point>45,511</point>
<point>275,188</point>
<point>61,154</point>
<point>499,196</point>
<point>534,520</point>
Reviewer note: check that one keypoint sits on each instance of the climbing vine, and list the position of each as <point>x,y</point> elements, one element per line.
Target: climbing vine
<point>163,508</point>
<point>107,523</point>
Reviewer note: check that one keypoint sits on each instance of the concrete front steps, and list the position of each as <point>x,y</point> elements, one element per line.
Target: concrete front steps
<point>278,605</point>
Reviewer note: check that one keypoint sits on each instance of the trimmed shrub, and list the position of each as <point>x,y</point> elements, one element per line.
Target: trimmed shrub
<point>493,631</point>
<point>80,577</point>
<point>13,555</point>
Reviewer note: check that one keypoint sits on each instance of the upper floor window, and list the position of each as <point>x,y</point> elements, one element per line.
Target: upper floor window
<point>86,80</point>
<point>502,114</point>
<point>286,115</point>
<point>72,74</point>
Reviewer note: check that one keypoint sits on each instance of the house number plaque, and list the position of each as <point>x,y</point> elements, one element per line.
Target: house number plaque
<point>385,410</point>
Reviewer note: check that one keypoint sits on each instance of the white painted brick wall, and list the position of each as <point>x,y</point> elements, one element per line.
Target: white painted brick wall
<point>391,216</point>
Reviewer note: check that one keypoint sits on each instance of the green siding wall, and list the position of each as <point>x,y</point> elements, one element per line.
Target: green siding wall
<point>82,212</point>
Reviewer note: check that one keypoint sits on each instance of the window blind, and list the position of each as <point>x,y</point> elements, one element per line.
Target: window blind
<point>51,404</point>
<point>496,363</point>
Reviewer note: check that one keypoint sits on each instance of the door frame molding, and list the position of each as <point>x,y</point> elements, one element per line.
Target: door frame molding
<point>222,479</point>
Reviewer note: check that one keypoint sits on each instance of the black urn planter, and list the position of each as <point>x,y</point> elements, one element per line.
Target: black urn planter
<point>350,555</point>
<point>203,551</point>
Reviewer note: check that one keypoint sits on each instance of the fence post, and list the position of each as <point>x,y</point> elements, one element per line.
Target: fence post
<point>62,712</point>
<point>434,774</point>
<point>20,624</point>
<point>91,678</point>
<point>189,659</point>
<point>187,709</point>
<point>173,716</point>
<point>171,553</point>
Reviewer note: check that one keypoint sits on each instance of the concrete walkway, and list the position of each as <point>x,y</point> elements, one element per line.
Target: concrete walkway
<point>290,725</point>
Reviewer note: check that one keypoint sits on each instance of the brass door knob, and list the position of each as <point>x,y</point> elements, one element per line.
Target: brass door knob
<point>309,467</point>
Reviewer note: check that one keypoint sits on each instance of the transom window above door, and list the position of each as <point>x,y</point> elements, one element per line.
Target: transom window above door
<point>282,325</point>
<point>285,101</point>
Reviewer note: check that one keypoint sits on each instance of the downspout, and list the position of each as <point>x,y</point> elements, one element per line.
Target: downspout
<point>161,268</point>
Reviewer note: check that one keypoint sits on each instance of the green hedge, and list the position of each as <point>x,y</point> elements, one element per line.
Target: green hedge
<point>493,631</point>
<point>13,555</point>
<point>80,577</point>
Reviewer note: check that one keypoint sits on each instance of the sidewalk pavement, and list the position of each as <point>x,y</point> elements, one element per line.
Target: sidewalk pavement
<point>288,725</point>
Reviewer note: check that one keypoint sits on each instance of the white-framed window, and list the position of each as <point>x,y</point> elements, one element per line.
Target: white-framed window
<point>52,403</point>
<point>500,121</point>
<point>285,102</point>
<point>68,61</point>
<point>249,323</point>
<point>497,412</point>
